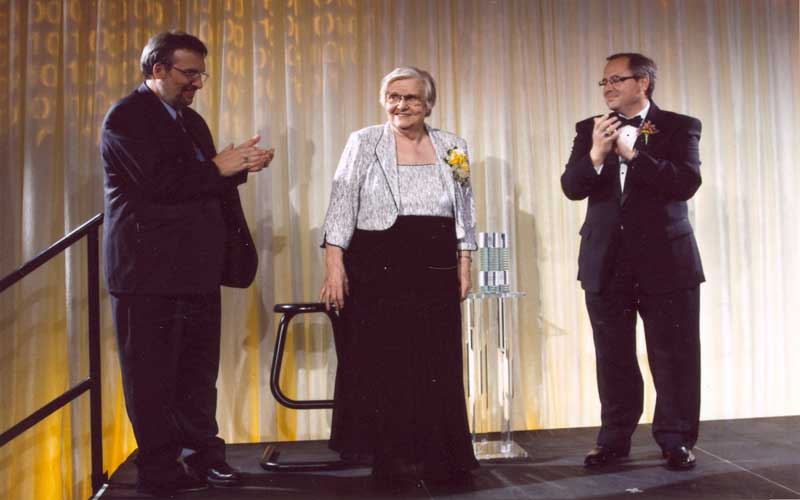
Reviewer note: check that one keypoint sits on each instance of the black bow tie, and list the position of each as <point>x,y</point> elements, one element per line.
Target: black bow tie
<point>636,121</point>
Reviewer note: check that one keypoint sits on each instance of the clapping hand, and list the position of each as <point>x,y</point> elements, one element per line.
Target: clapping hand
<point>604,137</point>
<point>625,150</point>
<point>245,156</point>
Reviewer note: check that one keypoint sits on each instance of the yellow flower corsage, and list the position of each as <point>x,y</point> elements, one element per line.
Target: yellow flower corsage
<point>459,165</point>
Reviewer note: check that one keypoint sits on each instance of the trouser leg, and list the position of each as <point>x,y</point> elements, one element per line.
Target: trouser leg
<point>672,331</point>
<point>148,334</point>
<point>619,381</point>
<point>198,367</point>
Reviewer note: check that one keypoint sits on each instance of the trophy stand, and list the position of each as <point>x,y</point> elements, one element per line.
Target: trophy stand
<point>490,350</point>
<point>490,340</point>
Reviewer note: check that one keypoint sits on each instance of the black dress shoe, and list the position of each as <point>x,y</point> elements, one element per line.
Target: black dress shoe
<point>604,455</point>
<point>184,483</point>
<point>222,474</point>
<point>680,458</point>
<point>216,473</point>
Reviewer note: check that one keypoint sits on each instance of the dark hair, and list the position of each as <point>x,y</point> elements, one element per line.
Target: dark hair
<point>162,47</point>
<point>640,66</point>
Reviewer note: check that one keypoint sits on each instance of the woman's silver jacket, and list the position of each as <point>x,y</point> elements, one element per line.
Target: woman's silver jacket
<point>366,186</point>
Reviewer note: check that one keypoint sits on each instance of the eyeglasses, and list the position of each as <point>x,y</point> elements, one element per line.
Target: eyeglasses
<point>193,74</point>
<point>614,80</point>
<point>410,99</point>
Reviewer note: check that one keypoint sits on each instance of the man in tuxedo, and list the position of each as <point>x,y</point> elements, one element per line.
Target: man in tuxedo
<point>638,165</point>
<point>174,232</point>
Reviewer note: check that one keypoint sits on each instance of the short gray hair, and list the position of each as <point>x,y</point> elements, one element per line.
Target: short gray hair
<point>404,72</point>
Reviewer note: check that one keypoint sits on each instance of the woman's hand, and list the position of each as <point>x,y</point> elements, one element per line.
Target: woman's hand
<point>334,286</point>
<point>464,273</point>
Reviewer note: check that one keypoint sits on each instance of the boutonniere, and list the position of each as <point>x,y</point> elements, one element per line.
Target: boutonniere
<point>648,128</point>
<point>459,165</point>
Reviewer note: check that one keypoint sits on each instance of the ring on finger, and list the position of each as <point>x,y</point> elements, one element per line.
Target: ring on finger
<point>246,159</point>
<point>608,133</point>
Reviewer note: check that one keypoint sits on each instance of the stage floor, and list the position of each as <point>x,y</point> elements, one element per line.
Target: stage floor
<point>736,459</point>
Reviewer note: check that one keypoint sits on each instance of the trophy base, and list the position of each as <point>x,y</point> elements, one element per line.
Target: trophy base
<point>492,450</point>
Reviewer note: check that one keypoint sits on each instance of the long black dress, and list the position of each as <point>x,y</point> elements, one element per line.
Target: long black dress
<point>399,387</point>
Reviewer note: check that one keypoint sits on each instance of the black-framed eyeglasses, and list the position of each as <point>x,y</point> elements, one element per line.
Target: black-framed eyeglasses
<point>614,80</point>
<point>410,99</point>
<point>193,74</point>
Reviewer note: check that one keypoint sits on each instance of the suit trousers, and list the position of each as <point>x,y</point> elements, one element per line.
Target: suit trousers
<point>169,354</point>
<point>672,334</point>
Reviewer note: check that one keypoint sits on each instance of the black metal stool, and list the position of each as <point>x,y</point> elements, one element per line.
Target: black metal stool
<point>269,460</point>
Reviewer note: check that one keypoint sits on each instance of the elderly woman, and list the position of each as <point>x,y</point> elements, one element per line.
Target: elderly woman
<point>398,235</point>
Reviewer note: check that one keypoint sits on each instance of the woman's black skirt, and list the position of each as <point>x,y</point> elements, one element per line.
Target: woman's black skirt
<point>399,386</point>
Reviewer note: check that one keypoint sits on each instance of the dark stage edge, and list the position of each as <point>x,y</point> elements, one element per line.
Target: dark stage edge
<point>736,459</point>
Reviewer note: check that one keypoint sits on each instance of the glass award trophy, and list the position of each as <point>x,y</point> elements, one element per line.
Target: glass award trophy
<point>489,339</point>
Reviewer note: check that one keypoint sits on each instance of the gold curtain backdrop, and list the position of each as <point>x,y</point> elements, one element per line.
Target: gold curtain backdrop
<point>513,76</point>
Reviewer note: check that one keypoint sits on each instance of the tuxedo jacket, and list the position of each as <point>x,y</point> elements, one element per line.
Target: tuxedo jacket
<point>650,216</point>
<point>173,224</point>
<point>366,186</point>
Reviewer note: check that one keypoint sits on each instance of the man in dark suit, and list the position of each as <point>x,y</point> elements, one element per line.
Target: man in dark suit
<point>638,165</point>
<point>174,232</point>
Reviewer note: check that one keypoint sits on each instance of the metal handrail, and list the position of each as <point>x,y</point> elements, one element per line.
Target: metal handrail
<point>90,230</point>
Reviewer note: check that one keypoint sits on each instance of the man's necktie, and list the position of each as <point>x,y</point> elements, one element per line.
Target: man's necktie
<point>198,153</point>
<point>182,122</point>
<point>636,121</point>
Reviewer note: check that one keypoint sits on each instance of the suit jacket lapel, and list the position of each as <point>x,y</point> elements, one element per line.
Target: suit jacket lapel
<point>386,151</point>
<point>198,132</point>
<point>441,153</point>
<point>644,143</point>
<point>167,128</point>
